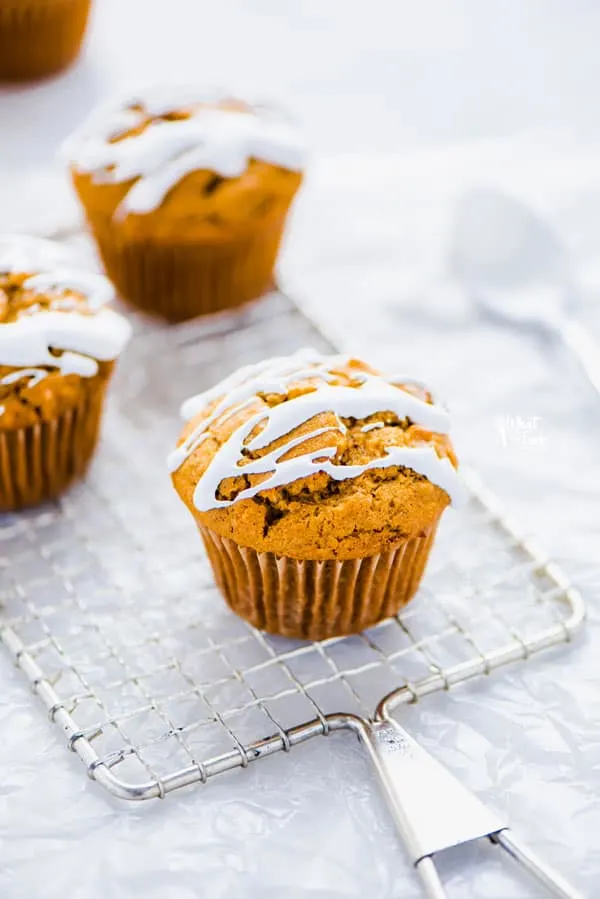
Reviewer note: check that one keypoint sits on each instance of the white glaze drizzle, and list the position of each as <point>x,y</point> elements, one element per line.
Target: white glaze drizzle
<point>34,375</point>
<point>375,393</point>
<point>219,140</point>
<point>95,288</point>
<point>371,427</point>
<point>83,339</point>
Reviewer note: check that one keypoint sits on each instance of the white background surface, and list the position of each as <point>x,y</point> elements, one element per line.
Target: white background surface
<point>407,106</point>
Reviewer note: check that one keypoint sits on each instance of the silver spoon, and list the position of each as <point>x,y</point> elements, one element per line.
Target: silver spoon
<point>516,269</point>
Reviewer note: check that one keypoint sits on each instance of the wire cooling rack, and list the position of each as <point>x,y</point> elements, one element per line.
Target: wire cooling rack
<point>110,610</point>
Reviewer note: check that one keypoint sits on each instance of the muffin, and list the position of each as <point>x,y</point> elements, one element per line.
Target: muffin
<point>187,196</point>
<point>40,37</point>
<point>57,349</point>
<point>317,485</point>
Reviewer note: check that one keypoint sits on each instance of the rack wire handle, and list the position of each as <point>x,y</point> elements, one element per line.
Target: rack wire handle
<point>433,811</point>
<point>543,873</point>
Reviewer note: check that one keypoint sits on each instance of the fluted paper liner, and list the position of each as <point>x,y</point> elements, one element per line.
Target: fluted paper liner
<point>315,600</point>
<point>182,281</point>
<point>39,37</point>
<point>39,462</point>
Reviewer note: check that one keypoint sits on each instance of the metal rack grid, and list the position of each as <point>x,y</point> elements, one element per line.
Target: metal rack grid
<point>110,610</point>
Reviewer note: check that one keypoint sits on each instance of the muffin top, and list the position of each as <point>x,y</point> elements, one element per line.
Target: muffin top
<point>191,154</point>
<point>316,457</point>
<point>54,330</point>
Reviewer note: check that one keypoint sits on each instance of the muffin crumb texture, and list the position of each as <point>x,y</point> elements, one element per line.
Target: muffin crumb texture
<point>187,194</point>
<point>130,169</point>
<point>58,346</point>
<point>30,395</point>
<point>324,515</point>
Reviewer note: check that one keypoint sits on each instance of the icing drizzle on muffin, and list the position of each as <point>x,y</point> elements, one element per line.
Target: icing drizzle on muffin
<point>160,136</point>
<point>51,315</point>
<point>370,394</point>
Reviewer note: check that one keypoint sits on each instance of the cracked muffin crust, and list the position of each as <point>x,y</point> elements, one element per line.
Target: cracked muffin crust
<point>58,344</point>
<point>187,194</point>
<point>316,464</point>
<point>31,395</point>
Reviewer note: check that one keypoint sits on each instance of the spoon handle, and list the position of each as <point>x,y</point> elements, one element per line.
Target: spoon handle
<point>585,348</point>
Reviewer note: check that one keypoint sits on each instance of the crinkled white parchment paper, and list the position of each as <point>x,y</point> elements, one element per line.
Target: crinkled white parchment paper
<point>366,254</point>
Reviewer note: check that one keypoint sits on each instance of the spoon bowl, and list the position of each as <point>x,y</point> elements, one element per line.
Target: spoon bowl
<point>517,271</point>
<point>511,263</point>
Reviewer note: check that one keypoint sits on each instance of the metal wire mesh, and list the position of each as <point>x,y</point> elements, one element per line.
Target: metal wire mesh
<point>110,609</point>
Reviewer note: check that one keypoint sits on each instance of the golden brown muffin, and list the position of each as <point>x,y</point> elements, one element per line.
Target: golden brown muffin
<point>57,350</point>
<point>187,197</point>
<point>40,37</point>
<point>317,485</point>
